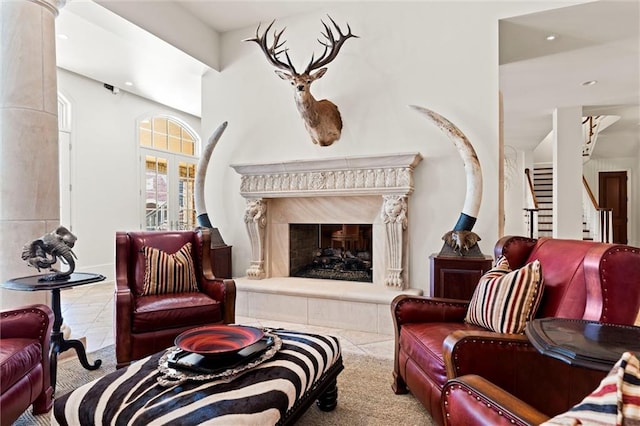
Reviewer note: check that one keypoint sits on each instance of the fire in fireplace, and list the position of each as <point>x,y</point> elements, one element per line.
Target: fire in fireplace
<point>331,251</point>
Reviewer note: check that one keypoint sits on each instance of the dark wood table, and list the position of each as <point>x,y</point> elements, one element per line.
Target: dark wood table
<point>589,344</point>
<point>456,277</point>
<point>58,342</point>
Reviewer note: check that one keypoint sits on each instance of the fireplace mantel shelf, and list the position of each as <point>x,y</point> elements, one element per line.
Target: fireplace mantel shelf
<point>388,174</point>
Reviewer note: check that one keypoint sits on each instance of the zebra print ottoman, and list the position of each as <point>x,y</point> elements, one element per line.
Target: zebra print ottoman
<point>276,392</point>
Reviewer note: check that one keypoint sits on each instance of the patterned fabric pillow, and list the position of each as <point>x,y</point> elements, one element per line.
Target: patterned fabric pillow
<point>505,300</point>
<point>169,273</point>
<point>616,401</point>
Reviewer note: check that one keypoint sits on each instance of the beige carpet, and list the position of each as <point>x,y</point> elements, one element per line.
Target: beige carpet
<point>364,393</point>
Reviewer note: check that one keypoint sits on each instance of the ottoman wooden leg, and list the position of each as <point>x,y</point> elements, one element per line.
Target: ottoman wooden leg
<point>329,399</point>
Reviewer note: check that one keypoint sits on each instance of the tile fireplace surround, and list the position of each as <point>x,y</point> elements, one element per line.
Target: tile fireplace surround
<point>371,189</point>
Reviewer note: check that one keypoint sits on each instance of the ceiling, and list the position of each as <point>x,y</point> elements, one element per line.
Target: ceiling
<point>594,41</point>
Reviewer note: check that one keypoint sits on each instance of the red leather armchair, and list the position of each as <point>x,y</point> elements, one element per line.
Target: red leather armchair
<point>147,324</point>
<point>25,375</point>
<point>588,280</point>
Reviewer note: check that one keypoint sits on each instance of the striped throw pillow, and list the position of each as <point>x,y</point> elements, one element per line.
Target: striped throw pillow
<point>505,300</point>
<point>169,273</point>
<point>616,401</point>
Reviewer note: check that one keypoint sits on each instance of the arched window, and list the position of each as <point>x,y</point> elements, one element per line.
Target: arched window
<point>167,134</point>
<point>169,160</point>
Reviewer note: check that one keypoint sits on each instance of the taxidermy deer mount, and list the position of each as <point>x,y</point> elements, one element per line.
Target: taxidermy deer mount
<point>321,118</point>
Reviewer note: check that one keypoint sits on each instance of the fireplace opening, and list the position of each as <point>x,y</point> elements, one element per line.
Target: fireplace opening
<point>331,251</point>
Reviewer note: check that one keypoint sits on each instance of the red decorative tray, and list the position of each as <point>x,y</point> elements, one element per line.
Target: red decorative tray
<point>218,340</point>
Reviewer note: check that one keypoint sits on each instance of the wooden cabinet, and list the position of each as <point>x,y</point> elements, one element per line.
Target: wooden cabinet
<point>457,277</point>
<point>221,261</point>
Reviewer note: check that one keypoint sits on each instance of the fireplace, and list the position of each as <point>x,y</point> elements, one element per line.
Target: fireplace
<point>331,251</point>
<point>371,190</point>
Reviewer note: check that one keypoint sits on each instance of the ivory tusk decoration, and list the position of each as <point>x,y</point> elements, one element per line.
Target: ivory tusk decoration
<point>201,171</point>
<point>470,159</point>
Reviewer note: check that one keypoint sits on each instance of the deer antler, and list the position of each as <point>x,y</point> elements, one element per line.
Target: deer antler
<point>321,118</point>
<point>275,50</point>
<point>331,46</point>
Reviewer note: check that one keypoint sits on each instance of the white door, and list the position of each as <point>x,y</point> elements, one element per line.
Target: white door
<point>64,164</point>
<point>168,193</point>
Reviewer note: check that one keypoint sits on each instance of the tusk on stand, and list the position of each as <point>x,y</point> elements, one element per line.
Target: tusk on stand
<point>201,171</point>
<point>471,166</point>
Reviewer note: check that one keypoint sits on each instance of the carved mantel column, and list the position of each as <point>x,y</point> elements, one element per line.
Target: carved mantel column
<point>394,216</point>
<point>255,219</point>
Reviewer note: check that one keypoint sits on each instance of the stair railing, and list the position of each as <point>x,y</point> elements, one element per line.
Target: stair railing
<point>600,219</point>
<point>531,211</point>
<point>590,126</point>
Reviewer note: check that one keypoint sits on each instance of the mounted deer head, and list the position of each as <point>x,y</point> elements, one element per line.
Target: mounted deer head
<point>321,118</point>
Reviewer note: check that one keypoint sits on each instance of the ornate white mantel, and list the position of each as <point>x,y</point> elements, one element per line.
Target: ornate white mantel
<point>389,176</point>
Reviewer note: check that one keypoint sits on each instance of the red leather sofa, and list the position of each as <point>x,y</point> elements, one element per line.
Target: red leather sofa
<point>588,280</point>
<point>146,324</point>
<point>25,376</point>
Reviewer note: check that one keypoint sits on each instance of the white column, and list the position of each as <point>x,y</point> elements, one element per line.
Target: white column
<point>567,173</point>
<point>29,188</point>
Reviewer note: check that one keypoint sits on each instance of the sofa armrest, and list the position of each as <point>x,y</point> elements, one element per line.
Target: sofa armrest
<point>463,348</point>
<point>122,259</point>
<point>30,321</point>
<point>510,362</point>
<point>472,400</point>
<point>407,309</point>
<point>123,318</point>
<point>224,291</point>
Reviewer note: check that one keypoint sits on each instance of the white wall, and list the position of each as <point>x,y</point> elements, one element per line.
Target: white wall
<point>439,55</point>
<point>105,166</point>
<point>515,193</point>
<point>543,153</point>
<point>442,56</point>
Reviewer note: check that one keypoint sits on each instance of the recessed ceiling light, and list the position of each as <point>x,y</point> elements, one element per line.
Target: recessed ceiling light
<point>63,36</point>
<point>551,37</point>
<point>128,83</point>
<point>590,83</point>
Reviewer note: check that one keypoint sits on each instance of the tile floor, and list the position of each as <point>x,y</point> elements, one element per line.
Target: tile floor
<point>88,311</point>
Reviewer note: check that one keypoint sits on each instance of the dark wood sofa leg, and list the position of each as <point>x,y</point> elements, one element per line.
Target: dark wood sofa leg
<point>44,402</point>
<point>329,398</point>
<point>399,386</point>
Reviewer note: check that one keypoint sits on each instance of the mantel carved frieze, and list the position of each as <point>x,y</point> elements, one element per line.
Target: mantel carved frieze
<point>378,175</point>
